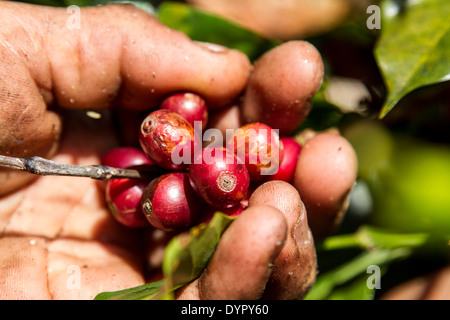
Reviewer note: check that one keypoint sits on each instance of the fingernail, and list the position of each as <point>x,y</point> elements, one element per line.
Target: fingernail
<point>216,48</point>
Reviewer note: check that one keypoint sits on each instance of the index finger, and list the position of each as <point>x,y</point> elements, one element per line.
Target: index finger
<point>119,52</point>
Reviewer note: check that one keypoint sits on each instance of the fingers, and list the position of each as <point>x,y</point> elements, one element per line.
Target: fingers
<point>295,267</point>
<point>159,61</point>
<point>268,252</point>
<point>26,128</point>
<point>121,53</point>
<point>325,173</point>
<point>243,259</point>
<point>282,84</point>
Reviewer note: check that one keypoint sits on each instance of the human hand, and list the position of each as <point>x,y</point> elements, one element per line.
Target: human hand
<point>55,229</point>
<point>301,19</point>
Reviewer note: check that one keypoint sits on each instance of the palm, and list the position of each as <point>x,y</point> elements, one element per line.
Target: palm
<point>65,240</point>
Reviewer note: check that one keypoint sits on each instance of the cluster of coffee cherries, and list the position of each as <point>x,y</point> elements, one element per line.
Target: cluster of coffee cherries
<point>188,182</point>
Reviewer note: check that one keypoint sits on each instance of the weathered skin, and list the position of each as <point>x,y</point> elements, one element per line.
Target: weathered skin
<point>325,174</point>
<point>295,268</point>
<point>282,84</point>
<point>269,228</point>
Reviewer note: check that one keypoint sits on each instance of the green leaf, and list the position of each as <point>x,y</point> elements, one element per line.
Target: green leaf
<point>187,255</point>
<point>202,26</point>
<point>145,291</point>
<point>185,258</point>
<point>375,246</point>
<point>354,290</point>
<point>369,238</point>
<point>413,50</point>
<point>327,282</point>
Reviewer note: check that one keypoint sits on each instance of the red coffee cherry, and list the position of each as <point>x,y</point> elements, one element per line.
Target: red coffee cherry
<point>259,146</point>
<point>190,106</point>
<point>218,177</point>
<point>168,139</point>
<point>170,203</point>
<point>123,197</point>
<point>291,151</point>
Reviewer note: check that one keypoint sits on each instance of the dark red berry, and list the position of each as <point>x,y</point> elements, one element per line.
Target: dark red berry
<point>127,157</point>
<point>291,151</point>
<point>168,139</point>
<point>233,211</point>
<point>170,203</point>
<point>189,105</point>
<point>259,147</point>
<point>123,197</point>
<point>218,177</point>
